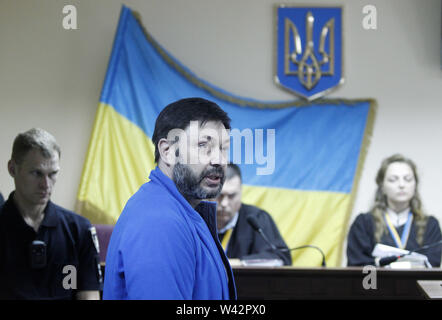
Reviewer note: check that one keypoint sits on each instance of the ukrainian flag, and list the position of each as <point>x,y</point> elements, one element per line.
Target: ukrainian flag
<point>317,148</point>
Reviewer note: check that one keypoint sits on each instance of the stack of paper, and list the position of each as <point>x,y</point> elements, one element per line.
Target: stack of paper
<point>262,262</point>
<point>409,261</point>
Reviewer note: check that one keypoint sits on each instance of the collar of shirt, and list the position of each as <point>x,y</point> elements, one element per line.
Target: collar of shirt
<point>231,224</point>
<point>205,210</point>
<point>398,219</point>
<point>12,212</point>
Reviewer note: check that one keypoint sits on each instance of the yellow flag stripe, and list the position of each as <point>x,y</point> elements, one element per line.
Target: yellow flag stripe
<point>107,183</point>
<point>119,160</point>
<point>305,217</point>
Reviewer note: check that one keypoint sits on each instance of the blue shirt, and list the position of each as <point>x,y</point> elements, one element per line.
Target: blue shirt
<point>162,248</point>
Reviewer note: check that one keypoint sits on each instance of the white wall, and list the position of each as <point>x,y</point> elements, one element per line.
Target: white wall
<point>52,78</point>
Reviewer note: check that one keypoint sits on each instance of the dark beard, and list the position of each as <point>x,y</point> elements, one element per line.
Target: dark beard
<point>189,185</point>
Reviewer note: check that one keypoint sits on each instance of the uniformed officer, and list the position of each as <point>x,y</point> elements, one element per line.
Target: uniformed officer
<point>46,252</point>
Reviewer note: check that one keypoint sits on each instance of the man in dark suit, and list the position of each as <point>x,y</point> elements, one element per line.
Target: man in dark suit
<point>236,235</point>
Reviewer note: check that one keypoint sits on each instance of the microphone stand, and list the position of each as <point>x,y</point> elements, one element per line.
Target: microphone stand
<point>255,225</point>
<point>307,246</point>
<point>431,245</point>
<point>387,260</point>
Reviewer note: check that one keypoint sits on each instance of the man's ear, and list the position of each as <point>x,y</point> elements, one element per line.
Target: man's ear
<point>167,152</point>
<point>12,168</point>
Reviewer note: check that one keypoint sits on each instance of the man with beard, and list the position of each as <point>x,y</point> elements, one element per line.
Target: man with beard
<point>164,245</point>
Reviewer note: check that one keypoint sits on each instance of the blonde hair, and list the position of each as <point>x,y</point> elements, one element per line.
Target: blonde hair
<point>380,204</point>
<point>34,138</point>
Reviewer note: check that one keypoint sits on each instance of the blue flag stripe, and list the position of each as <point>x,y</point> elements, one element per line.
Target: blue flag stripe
<point>316,147</point>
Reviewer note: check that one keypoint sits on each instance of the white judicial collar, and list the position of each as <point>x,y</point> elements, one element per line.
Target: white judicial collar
<point>398,219</point>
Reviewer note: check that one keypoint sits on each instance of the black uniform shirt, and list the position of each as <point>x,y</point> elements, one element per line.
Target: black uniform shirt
<point>71,256</point>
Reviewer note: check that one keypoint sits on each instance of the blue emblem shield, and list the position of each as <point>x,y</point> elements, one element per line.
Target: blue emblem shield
<point>309,50</point>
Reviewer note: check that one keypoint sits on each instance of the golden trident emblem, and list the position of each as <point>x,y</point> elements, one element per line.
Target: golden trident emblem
<point>309,68</point>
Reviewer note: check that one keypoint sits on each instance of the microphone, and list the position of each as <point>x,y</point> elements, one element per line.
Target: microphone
<point>387,260</point>
<point>255,225</point>
<point>390,259</point>
<point>431,245</point>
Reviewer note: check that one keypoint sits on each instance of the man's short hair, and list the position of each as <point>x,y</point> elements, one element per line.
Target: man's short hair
<point>179,114</point>
<point>34,138</point>
<point>233,171</point>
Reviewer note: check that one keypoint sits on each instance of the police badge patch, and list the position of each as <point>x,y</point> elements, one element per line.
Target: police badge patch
<point>309,50</point>
<point>94,237</point>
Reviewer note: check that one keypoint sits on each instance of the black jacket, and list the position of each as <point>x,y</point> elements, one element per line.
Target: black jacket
<point>245,243</point>
<point>361,241</point>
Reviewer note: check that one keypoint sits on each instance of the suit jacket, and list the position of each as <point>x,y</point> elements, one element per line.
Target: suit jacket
<point>245,243</point>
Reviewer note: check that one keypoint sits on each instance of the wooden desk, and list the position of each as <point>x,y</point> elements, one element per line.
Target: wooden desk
<point>432,289</point>
<point>329,283</point>
<point>258,283</point>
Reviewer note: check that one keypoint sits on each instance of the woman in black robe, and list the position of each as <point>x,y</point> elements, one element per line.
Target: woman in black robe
<point>396,218</point>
